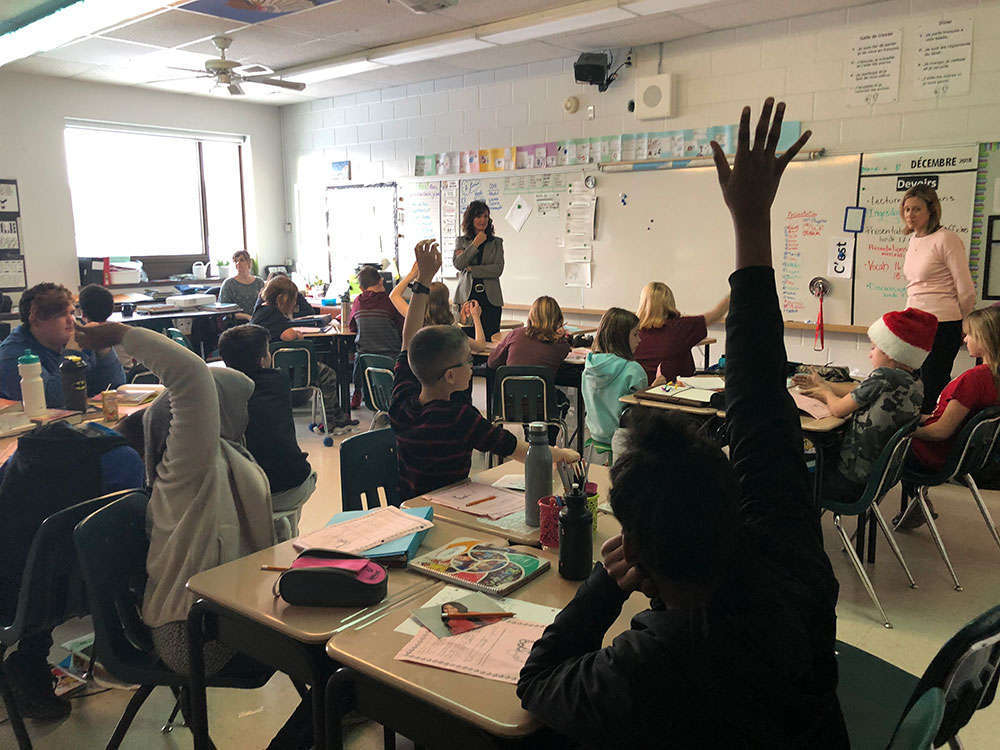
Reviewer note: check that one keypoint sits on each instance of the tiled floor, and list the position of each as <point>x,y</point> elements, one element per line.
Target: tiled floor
<point>923,618</point>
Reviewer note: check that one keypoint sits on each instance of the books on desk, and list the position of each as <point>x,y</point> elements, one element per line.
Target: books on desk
<point>683,395</point>
<point>156,309</point>
<point>398,551</point>
<point>17,422</point>
<point>811,406</point>
<point>360,532</point>
<point>481,566</point>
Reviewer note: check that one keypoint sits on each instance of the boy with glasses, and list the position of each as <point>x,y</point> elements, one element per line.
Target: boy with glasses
<point>435,424</point>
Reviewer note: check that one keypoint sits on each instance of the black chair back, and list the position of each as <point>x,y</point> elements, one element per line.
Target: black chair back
<point>966,668</point>
<point>361,365</point>
<point>525,394</point>
<point>112,545</point>
<point>367,464</point>
<point>52,588</point>
<point>977,440</point>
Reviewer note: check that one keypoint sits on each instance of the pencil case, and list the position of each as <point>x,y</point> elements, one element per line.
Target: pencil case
<point>327,578</point>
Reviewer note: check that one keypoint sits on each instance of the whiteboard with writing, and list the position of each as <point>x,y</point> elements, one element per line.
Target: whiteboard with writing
<point>885,178</point>
<point>672,226</point>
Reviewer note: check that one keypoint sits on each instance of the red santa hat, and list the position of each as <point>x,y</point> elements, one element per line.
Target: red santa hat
<point>906,336</point>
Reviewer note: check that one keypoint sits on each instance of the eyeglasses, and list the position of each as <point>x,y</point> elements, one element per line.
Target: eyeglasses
<point>466,363</point>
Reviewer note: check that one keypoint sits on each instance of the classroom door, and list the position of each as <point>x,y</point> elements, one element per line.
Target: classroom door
<point>361,227</point>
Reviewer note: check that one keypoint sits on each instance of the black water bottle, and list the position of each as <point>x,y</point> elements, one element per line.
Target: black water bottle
<point>576,548</point>
<point>74,383</point>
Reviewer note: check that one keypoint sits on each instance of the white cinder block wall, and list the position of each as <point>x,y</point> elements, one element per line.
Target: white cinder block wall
<point>801,60</point>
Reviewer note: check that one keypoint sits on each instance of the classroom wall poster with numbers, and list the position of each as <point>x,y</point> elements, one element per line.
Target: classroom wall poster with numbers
<point>879,282</point>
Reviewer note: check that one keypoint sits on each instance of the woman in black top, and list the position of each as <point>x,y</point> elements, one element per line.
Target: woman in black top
<point>479,259</point>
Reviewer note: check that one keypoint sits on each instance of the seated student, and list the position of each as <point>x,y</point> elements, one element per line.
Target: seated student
<point>610,372</point>
<point>243,288</point>
<point>665,336</point>
<point>275,316</point>
<point>96,303</point>
<point>439,313</point>
<point>886,400</point>
<point>302,307</point>
<point>270,432</point>
<point>54,467</point>
<point>435,424</point>
<point>46,329</point>
<point>210,502</point>
<point>542,342</point>
<point>737,648</point>
<point>377,319</point>
<point>971,391</point>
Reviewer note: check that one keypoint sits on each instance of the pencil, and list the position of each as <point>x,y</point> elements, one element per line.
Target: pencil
<point>273,568</point>
<point>467,615</point>
<point>476,502</point>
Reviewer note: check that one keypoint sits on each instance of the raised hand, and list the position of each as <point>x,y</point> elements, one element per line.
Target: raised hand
<point>750,185</point>
<point>428,260</point>
<point>99,336</point>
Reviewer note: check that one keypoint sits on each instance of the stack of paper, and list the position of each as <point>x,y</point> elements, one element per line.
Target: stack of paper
<point>479,500</point>
<point>364,532</point>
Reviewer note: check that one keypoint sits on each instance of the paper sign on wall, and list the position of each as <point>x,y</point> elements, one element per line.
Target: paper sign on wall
<point>841,263</point>
<point>576,274</point>
<point>8,235</point>
<point>9,203</point>
<point>944,58</point>
<point>518,213</point>
<point>873,68</point>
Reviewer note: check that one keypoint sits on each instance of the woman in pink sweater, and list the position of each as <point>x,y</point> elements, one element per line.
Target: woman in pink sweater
<point>938,281</point>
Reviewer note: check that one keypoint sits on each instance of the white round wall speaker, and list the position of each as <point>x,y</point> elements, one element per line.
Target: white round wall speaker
<point>572,104</point>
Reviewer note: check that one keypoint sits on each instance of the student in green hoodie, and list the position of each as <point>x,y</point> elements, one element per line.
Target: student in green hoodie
<point>611,372</point>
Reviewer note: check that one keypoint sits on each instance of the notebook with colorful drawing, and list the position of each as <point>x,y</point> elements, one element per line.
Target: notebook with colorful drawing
<point>480,565</point>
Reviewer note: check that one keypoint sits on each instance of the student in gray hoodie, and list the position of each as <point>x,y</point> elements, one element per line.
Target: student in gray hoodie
<point>611,372</point>
<point>210,502</point>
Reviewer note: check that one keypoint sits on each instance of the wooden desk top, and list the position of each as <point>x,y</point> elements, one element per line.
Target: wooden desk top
<point>490,705</point>
<point>521,533</point>
<point>117,317</point>
<point>809,424</point>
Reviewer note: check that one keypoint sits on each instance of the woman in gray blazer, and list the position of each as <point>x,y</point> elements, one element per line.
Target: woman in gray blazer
<point>479,260</point>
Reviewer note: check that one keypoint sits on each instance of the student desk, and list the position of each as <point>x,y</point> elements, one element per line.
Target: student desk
<point>438,708</point>
<point>607,526</point>
<point>236,605</point>
<point>160,321</point>
<point>338,348</point>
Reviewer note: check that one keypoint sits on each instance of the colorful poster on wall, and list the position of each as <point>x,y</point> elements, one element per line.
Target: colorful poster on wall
<point>252,11</point>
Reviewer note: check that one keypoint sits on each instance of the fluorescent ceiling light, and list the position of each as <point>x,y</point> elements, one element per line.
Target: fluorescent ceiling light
<point>431,50</point>
<point>649,7</point>
<point>560,25</point>
<point>70,23</point>
<point>333,70</point>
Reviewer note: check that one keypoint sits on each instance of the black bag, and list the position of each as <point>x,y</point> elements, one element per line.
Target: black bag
<point>318,582</point>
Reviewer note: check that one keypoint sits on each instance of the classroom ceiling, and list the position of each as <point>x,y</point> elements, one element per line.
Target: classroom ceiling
<point>146,51</point>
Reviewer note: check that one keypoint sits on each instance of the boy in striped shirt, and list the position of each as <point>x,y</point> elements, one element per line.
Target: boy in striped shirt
<point>435,424</point>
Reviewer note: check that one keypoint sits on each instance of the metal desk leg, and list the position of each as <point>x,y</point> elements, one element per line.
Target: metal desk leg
<point>199,708</point>
<point>580,419</point>
<point>708,359</point>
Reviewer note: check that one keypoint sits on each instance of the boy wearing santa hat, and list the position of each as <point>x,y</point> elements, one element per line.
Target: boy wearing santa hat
<point>886,400</point>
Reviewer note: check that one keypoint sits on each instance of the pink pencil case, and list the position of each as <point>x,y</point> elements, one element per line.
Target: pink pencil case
<point>327,578</point>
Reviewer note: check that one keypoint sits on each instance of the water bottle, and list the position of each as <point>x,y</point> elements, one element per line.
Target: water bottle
<point>32,387</point>
<point>345,309</point>
<point>576,547</point>
<point>74,383</point>
<point>537,470</point>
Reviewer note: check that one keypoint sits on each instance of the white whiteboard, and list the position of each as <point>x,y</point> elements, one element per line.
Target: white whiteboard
<point>418,216</point>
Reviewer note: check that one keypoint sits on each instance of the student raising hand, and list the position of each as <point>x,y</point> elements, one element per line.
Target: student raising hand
<point>750,185</point>
<point>428,260</point>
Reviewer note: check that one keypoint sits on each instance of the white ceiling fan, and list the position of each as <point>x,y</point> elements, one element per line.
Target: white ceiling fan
<point>231,73</point>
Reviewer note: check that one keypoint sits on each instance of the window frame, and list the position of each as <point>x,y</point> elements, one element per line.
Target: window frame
<point>161,266</point>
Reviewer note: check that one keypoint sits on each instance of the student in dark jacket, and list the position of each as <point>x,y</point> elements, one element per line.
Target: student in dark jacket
<point>54,467</point>
<point>270,433</point>
<point>737,648</point>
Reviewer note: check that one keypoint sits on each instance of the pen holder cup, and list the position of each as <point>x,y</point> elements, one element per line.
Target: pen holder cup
<point>548,517</point>
<point>593,500</point>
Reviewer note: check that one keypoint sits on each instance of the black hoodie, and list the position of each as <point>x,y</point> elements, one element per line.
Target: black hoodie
<point>270,433</point>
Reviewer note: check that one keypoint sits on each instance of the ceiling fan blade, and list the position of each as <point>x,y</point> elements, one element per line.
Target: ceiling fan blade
<point>167,80</point>
<point>236,90</point>
<point>186,70</point>
<point>254,69</point>
<point>268,81</point>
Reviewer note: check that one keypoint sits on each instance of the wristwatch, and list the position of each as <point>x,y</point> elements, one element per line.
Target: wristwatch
<point>419,288</point>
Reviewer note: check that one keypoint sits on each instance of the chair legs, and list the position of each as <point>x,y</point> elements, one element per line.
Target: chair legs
<point>13,712</point>
<point>130,711</point>
<point>880,520</point>
<point>859,568</point>
<point>168,727</point>
<point>936,535</point>
<point>319,403</point>
<point>977,496</point>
